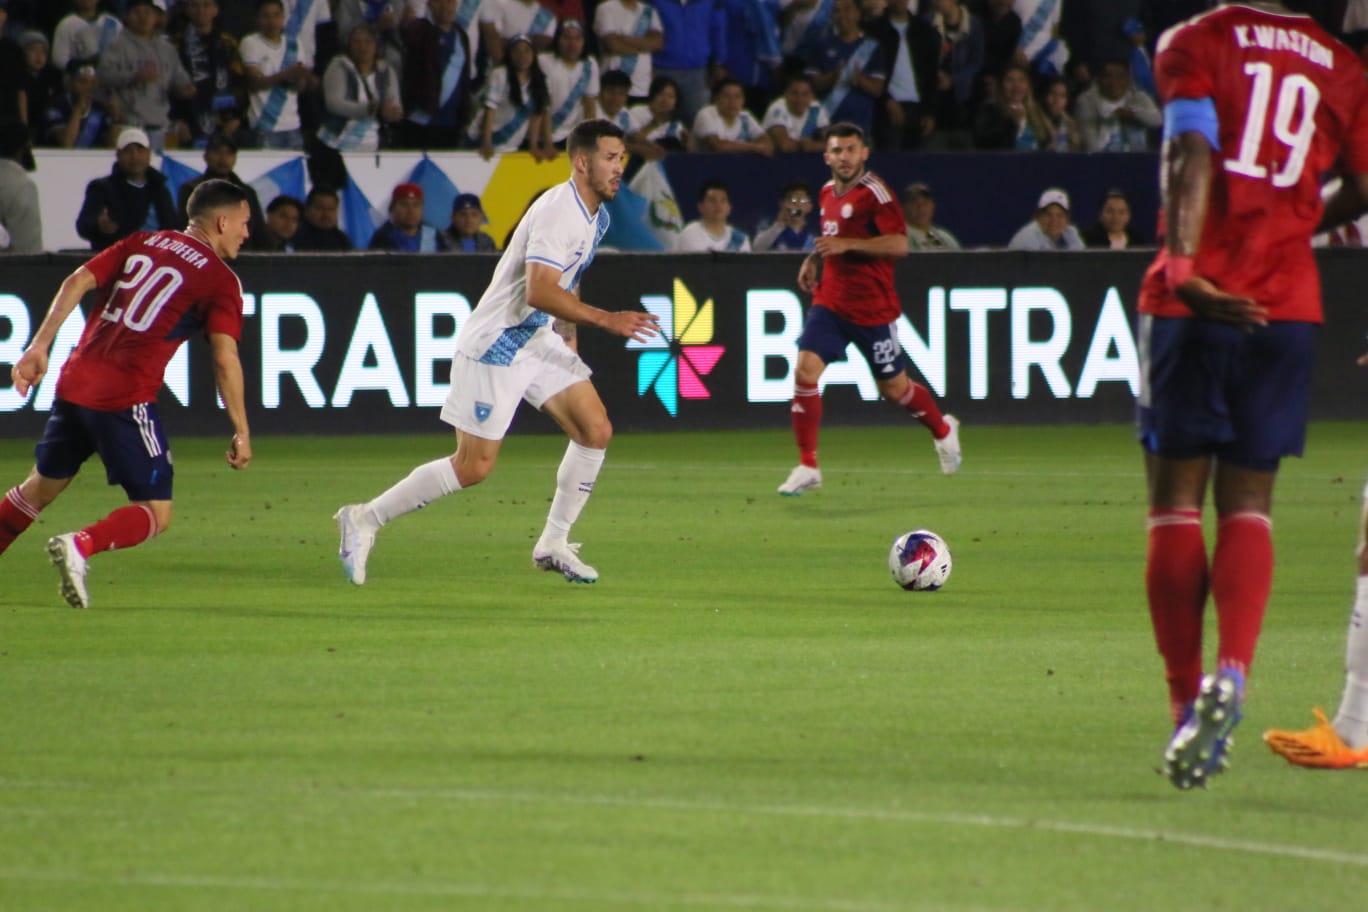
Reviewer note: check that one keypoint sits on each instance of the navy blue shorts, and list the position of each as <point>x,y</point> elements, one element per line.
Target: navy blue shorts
<point>130,443</point>
<point>827,336</point>
<point>1210,388</point>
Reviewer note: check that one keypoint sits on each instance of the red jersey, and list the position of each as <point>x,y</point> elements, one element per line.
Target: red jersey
<point>857,287</point>
<point>155,291</point>
<point>1290,101</point>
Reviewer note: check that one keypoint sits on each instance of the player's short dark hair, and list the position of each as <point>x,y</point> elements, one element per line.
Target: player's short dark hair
<point>845,129</point>
<point>214,194</point>
<point>794,187</point>
<point>280,202</point>
<point>615,79</point>
<point>585,136</point>
<point>713,185</point>
<point>799,77</point>
<point>261,3</point>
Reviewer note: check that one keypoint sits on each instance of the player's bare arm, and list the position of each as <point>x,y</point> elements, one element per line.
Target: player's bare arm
<point>1346,204</point>
<point>1187,187</point>
<point>809,273</point>
<point>885,245</point>
<point>545,294</point>
<point>228,373</point>
<point>33,363</point>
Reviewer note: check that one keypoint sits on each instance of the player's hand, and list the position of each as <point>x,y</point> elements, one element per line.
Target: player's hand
<point>829,245</point>
<point>239,451</point>
<point>1362,360</point>
<point>807,275</point>
<point>1208,302</point>
<point>638,325</point>
<point>28,370</point>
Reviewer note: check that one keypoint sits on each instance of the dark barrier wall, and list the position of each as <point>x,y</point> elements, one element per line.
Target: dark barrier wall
<point>983,197</point>
<point>361,344</point>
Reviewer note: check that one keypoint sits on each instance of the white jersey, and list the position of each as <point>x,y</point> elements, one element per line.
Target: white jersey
<point>557,231</point>
<point>302,19</point>
<point>274,109</point>
<point>567,85</point>
<point>612,17</point>
<point>695,238</point>
<point>709,122</point>
<point>803,126</point>
<point>76,39</point>
<point>508,128</point>
<point>514,17</point>
<point>641,116</point>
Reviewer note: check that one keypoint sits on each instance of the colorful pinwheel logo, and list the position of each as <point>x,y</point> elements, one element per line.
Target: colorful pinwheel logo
<point>674,363</point>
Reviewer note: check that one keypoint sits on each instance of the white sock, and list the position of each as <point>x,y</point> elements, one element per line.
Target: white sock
<point>421,487</point>
<point>1351,722</point>
<point>574,483</point>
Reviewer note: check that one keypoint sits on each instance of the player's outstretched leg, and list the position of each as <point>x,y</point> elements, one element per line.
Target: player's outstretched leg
<point>71,565</point>
<point>948,447</point>
<point>806,414</point>
<point>575,480</point>
<point>565,560</point>
<point>359,523</point>
<point>357,537</point>
<point>17,513</point>
<point>1200,748</point>
<point>802,478</point>
<point>1321,746</point>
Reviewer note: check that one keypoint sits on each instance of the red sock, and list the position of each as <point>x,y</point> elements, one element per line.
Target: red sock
<point>1176,583</point>
<point>124,528</point>
<point>806,413</point>
<point>1241,579</point>
<point>16,515</point>
<point>920,404</point>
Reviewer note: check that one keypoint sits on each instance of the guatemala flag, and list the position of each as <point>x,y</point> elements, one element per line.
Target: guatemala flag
<point>177,173</point>
<point>662,218</point>
<point>438,192</point>
<point>627,225</point>
<point>358,218</point>
<point>283,180</point>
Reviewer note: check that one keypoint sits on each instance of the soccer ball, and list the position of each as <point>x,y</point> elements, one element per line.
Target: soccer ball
<point>919,561</point>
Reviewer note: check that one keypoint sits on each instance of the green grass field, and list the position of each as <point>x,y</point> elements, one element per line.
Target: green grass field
<point>744,713</point>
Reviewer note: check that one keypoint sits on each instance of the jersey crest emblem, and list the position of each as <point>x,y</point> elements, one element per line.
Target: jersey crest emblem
<point>482,410</point>
<point>847,210</point>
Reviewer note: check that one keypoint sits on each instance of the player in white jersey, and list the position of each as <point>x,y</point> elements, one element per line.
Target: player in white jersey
<point>507,351</point>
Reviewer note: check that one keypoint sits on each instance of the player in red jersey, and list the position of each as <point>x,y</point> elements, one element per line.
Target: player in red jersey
<point>1258,103</point>
<point>850,276</point>
<point>155,291</point>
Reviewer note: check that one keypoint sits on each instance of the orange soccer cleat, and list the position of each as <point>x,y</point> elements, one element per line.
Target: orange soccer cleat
<point>1320,747</point>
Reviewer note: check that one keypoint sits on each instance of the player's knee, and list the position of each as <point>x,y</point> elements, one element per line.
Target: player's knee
<point>471,470</point>
<point>161,515</point>
<point>598,435</point>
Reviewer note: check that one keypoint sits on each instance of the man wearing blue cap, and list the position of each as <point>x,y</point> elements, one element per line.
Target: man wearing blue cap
<point>464,234</point>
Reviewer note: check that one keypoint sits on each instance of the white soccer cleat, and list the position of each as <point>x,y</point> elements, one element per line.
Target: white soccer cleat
<point>948,448</point>
<point>565,560</point>
<point>802,478</point>
<point>358,536</point>
<point>71,565</point>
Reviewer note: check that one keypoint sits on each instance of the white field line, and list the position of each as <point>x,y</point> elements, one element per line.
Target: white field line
<point>628,802</point>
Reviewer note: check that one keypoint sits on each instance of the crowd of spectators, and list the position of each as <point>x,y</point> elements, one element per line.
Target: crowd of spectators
<point>724,76</point>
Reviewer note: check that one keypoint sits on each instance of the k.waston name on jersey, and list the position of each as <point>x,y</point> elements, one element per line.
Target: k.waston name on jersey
<point>185,251</point>
<point>1273,38</point>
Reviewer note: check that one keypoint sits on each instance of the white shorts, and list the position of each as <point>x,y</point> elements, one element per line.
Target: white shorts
<point>484,397</point>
